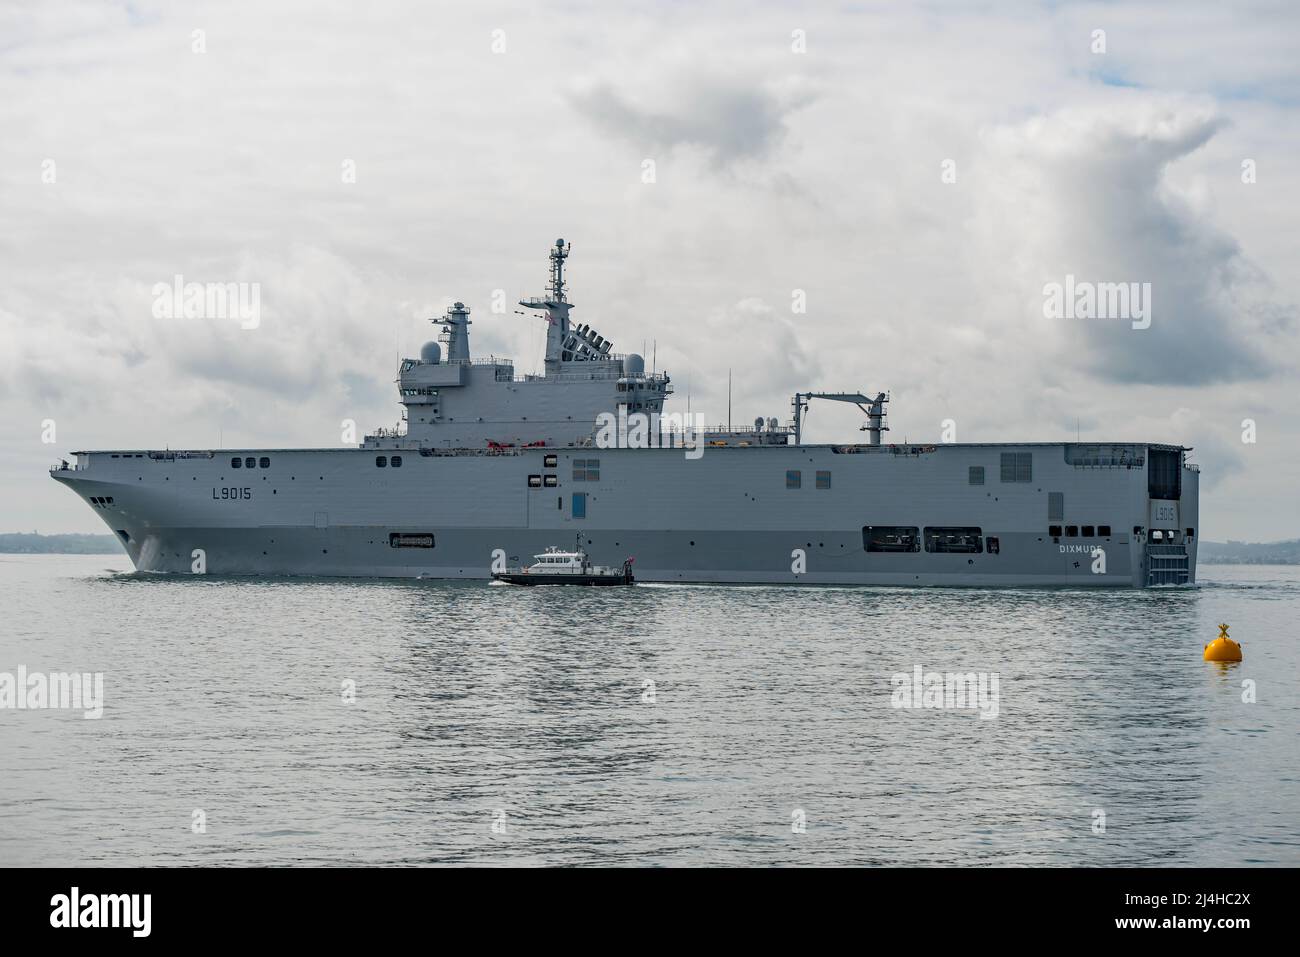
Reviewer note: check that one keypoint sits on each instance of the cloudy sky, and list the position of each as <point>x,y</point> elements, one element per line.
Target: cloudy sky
<point>920,172</point>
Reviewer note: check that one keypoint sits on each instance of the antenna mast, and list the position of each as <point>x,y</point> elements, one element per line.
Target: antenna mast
<point>559,253</point>
<point>557,309</point>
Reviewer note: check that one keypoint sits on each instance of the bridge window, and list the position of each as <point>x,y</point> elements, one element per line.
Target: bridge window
<point>1054,531</point>
<point>1072,531</point>
<point>236,463</point>
<point>975,476</point>
<point>250,463</point>
<point>823,479</point>
<point>579,504</point>
<point>1087,531</point>
<point>1103,531</point>
<point>396,462</point>
<point>891,538</point>
<point>381,461</point>
<point>1017,466</point>
<point>793,479</point>
<point>264,462</point>
<point>954,539</point>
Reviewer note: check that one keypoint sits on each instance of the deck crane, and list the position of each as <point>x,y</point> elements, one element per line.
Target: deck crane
<point>874,409</point>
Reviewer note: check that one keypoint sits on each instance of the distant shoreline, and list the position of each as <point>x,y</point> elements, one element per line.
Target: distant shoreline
<point>33,543</point>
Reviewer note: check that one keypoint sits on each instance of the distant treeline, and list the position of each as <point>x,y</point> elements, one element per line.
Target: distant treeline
<point>1249,553</point>
<point>34,544</point>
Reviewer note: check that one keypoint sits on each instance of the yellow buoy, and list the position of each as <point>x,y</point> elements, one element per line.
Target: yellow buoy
<point>1223,648</point>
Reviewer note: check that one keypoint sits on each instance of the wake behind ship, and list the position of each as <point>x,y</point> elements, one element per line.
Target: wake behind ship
<point>487,464</point>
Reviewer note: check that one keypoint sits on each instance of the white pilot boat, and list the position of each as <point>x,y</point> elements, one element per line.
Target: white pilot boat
<point>556,567</point>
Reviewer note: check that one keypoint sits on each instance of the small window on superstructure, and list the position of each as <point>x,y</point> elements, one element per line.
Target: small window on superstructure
<point>1054,531</point>
<point>550,461</point>
<point>1087,531</point>
<point>236,463</point>
<point>551,481</point>
<point>1072,531</point>
<point>381,461</point>
<point>975,476</point>
<point>793,478</point>
<point>396,462</point>
<point>1103,531</point>
<point>823,479</point>
<point>534,481</point>
<point>250,463</point>
<point>264,462</point>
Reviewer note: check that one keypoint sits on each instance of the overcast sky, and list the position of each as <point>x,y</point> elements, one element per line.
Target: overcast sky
<point>774,171</point>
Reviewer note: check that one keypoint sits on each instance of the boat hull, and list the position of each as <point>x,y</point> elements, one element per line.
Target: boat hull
<point>523,578</point>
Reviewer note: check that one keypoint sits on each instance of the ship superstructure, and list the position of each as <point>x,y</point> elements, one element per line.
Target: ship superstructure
<point>452,400</point>
<point>489,463</point>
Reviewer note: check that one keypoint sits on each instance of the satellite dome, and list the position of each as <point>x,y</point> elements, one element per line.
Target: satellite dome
<point>431,353</point>
<point>633,365</point>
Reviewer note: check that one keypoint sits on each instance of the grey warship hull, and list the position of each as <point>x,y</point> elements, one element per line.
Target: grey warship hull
<point>972,515</point>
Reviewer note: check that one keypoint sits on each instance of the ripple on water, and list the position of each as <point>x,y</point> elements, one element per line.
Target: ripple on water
<point>673,724</point>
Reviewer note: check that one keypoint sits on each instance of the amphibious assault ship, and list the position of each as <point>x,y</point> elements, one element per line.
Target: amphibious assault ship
<point>489,465</point>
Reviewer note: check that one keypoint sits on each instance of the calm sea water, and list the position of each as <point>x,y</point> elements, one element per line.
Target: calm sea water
<point>500,725</point>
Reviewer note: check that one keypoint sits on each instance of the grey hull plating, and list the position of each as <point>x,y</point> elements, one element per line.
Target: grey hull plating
<point>727,517</point>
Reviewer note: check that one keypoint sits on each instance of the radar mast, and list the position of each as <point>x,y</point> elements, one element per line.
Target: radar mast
<point>556,307</point>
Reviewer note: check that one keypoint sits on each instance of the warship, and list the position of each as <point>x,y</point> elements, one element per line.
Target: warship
<point>486,463</point>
